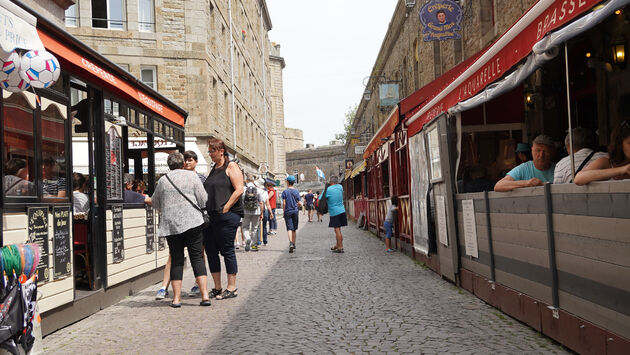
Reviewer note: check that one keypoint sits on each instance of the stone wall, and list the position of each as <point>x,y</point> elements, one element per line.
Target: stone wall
<point>52,10</point>
<point>329,158</point>
<point>294,140</point>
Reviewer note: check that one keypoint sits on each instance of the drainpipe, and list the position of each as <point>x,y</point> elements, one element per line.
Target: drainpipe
<point>262,43</point>
<point>232,78</point>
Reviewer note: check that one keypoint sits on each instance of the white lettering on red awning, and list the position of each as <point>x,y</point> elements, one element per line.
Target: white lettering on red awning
<point>96,70</point>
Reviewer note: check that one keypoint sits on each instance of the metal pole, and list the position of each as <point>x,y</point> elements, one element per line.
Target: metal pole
<point>262,44</point>
<point>490,246</point>
<point>232,77</point>
<point>551,244</point>
<point>566,72</point>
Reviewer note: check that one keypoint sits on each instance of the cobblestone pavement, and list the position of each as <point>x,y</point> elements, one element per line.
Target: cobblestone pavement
<point>311,301</point>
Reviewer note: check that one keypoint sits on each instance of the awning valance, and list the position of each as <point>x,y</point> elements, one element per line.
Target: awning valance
<point>358,169</point>
<point>17,28</point>
<point>386,130</point>
<point>512,47</point>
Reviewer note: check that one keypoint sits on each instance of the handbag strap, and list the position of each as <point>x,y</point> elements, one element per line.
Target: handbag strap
<point>181,193</point>
<point>584,163</point>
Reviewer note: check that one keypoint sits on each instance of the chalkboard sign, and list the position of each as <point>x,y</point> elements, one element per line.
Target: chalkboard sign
<point>38,234</point>
<point>118,243</point>
<point>150,232</point>
<point>61,242</point>
<point>114,164</point>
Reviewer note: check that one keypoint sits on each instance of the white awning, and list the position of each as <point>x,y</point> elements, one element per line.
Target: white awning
<point>17,28</point>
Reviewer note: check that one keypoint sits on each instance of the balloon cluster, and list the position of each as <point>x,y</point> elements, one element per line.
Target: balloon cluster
<point>39,69</point>
<point>19,259</point>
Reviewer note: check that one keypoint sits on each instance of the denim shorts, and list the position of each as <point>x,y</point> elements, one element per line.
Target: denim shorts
<point>291,220</point>
<point>388,229</point>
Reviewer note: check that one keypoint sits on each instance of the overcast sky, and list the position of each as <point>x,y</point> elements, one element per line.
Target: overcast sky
<point>329,46</point>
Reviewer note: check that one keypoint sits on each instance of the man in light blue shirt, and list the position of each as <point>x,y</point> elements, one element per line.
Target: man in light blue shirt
<point>535,172</point>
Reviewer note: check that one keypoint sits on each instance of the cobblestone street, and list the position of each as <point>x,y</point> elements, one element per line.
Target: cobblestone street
<point>311,301</point>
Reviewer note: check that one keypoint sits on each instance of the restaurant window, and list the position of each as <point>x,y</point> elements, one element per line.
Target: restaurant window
<point>433,143</point>
<point>53,167</point>
<point>18,150</point>
<point>72,16</point>
<point>146,16</point>
<point>148,75</point>
<point>108,14</point>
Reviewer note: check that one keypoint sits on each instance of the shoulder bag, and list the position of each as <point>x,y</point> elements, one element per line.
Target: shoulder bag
<point>204,213</point>
<point>322,206</point>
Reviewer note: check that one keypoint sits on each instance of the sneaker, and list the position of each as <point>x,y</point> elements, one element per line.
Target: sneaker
<point>237,246</point>
<point>248,243</point>
<point>162,292</point>
<point>194,291</point>
<point>254,248</point>
<point>390,250</point>
<point>291,247</point>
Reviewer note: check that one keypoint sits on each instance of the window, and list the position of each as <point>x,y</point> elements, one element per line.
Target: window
<point>434,153</point>
<point>108,14</point>
<point>148,76</point>
<point>54,181</point>
<point>146,16</point>
<point>19,140</point>
<point>72,16</point>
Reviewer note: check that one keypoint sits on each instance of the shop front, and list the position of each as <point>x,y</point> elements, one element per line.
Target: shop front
<point>76,140</point>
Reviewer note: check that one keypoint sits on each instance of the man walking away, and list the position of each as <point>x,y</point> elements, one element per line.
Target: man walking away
<point>291,205</point>
<point>253,206</point>
<point>309,198</point>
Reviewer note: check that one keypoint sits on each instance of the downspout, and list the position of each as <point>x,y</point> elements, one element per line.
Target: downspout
<point>232,78</point>
<point>262,43</point>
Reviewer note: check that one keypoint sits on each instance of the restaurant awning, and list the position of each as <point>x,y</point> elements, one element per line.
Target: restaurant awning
<point>386,130</point>
<point>358,169</point>
<point>507,51</point>
<point>17,28</point>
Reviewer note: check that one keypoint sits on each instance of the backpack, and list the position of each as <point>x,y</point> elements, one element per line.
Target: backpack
<point>250,198</point>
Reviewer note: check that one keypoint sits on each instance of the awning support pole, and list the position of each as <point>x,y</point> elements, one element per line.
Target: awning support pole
<point>566,72</point>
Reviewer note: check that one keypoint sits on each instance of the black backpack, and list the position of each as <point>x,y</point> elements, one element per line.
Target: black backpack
<point>250,198</point>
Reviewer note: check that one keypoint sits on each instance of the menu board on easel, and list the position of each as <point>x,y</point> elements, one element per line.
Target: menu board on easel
<point>62,265</point>
<point>118,240</point>
<point>150,229</point>
<point>114,164</point>
<point>38,234</point>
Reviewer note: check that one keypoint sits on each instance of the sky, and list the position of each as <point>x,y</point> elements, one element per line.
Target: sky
<point>329,47</point>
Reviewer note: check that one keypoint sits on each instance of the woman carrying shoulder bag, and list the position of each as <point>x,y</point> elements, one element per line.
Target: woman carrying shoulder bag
<point>178,196</point>
<point>338,218</point>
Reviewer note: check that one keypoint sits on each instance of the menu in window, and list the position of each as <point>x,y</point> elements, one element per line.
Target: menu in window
<point>61,242</point>
<point>150,229</point>
<point>114,164</point>
<point>38,234</point>
<point>118,242</point>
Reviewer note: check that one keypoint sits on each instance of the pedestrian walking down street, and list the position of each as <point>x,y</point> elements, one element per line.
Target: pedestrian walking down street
<point>266,215</point>
<point>291,205</point>
<point>253,201</point>
<point>318,196</point>
<point>309,199</point>
<point>338,218</point>
<point>179,196</point>
<point>273,224</point>
<point>224,185</point>
<point>390,221</point>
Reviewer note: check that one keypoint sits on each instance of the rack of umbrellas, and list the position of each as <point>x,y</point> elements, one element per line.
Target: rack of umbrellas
<point>18,296</point>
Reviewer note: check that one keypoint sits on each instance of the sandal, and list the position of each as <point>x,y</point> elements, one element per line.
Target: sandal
<point>337,250</point>
<point>214,293</point>
<point>334,247</point>
<point>205,303</point>
<point>227,294</point>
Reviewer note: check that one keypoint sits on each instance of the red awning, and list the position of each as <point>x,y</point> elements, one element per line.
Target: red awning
<point>386,130</point>
<point>495,61</point>
<point>108,80</point>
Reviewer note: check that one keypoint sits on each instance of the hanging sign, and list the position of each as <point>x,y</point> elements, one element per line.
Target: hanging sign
<point>440,203</point>
<point>62,264</point>
<point>441,20</point>
<point>38,234</point>
<point>150,229</point>
<point>18,29</point>
<point>470,228</point>
<point>388,94</point>
<point>118,240</point>
<point>114,164</point>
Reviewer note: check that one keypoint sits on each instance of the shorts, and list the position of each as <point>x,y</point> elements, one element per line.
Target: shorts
<point>309,207</point>
<point>337,221</point>
<point>291,220</point>
<point>388,229</point>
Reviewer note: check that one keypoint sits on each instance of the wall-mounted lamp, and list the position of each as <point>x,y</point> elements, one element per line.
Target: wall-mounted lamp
<point>619,53</point>
<point>367,94</point>
<point>410,4</point>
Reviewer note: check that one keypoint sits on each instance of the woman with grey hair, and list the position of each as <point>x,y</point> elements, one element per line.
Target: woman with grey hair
<point>177,197</point>
<point>338,218</point>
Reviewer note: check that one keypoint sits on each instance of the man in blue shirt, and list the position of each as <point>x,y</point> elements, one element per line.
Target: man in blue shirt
<point>309,198</point>
<point>290,205</point>
<point>535,172</point>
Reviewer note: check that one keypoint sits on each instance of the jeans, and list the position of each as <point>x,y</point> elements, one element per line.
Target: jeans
<point>250,226</point>
<point>191,239</point>
<point>219,238</point>
<point>388,229</point>
<point>273,225</point>
<point>264,226</point>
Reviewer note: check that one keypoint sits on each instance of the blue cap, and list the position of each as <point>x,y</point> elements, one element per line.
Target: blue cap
<point>291,178</point>
<point>522,148</point>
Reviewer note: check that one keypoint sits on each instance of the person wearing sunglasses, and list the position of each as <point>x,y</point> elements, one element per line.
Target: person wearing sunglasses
<point>614,166</point>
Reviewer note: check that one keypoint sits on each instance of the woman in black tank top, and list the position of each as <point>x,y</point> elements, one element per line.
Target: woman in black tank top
<point>224,186</point>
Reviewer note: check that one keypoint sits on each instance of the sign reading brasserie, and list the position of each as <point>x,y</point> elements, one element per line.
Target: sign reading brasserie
<point>441,20</point>
<point>38,234</point>
<point>150,229</point>
<point>114,164</point>
<point>61,242</point>
<point>118,242</point>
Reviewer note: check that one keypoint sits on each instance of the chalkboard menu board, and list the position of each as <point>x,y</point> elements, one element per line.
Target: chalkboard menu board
<point>61,242</point>
<point>118,242</point>
<point>38,234</point>
<point>114,164</point>
<point>150,229</point>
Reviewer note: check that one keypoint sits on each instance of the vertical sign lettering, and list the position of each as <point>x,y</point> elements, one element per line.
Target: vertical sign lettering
<point>470,228</point>
<point>150,231</point>
<point>61,242</point>
<point>114,164</point>
<point>118,242</point>
<point>38,234</point>
<point>441,219</point>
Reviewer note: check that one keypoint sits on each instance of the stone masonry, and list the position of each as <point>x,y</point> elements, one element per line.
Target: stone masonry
<point>329,158</point>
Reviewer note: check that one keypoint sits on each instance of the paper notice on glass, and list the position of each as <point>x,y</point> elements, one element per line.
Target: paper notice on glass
<point>470,228</point>
<point>441,219</point>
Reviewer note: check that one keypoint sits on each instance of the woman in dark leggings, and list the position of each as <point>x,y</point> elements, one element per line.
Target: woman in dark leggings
<point>224,186</point>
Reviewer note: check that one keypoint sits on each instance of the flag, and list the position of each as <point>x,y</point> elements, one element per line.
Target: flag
<point>320,173</point>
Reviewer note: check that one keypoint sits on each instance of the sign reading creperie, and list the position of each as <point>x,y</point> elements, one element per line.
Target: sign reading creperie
<point>110,79</point>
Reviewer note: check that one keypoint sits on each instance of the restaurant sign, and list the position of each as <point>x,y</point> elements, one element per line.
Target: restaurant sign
<point>441,20</point>
<point>17,28</point>
<point>388,94</point>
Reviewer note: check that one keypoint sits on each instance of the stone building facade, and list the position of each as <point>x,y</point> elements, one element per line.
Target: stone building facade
<point>329,158</point>
<point>406,59</point>
<point>212,57</point>
<point>294,140</point>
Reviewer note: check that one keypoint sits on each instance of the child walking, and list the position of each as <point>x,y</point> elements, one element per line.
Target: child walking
<point>390,219</point>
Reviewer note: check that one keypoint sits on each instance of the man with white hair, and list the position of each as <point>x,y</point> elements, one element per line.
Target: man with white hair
<point>583,139</point>
<point>535,172</point>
